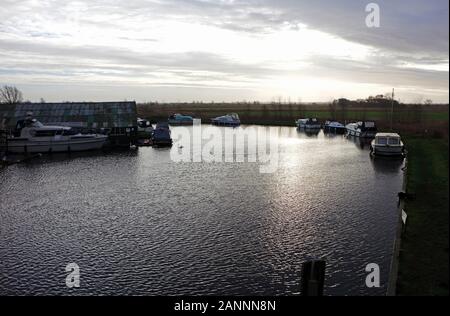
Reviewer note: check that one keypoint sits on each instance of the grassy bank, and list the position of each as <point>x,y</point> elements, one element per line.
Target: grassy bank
<point>408,118</point>
<point>424,257</point>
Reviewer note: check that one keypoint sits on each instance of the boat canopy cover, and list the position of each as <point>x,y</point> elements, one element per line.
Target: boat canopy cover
<point>334,124</point>
<point>181,117</point>
<point>228,118</point>
<point>162,125</point>
<point>161,133</point>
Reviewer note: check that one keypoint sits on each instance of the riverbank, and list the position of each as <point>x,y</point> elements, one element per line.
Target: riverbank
<point>414,119</point>
<point>424,257</point>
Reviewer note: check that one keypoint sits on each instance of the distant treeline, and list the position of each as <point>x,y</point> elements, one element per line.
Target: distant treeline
<point>425,118</point>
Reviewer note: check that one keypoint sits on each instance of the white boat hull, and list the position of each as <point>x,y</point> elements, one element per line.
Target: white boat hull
<point>387,151</point>
<point>25,146</point>
<point>309,127</point>
<point>358,130</point>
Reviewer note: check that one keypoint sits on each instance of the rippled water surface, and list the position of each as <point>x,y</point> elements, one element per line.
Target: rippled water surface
<point>138,223</point>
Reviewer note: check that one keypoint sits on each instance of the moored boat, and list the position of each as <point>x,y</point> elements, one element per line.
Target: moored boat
<point>387,144</point>
<point>231,119</point>
<point>308,124</point>
<point>180,119</point>
<point>161,135</point>
<point>145,128</point>
<point>31,136</point>
<point>334,127</point>
<point>144,125</point>
<point>365,129</point>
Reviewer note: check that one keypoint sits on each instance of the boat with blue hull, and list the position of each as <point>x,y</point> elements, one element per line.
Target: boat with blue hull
<point>161,135</point>
<point>180,119</point>
<point>231,119</point>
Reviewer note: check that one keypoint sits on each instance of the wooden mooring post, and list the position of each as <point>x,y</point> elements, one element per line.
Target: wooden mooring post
<point>313,278</point>
<point>3,143</point>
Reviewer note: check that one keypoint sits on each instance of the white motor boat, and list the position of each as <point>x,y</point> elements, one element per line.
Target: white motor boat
<point>31,136</point>
<point>387,144</point>
<point>334,127</point>
<point>144,133</point>
<point>308,124</point>
<point>144,125</point>
<point>366,129</point>
<point>231,119</point>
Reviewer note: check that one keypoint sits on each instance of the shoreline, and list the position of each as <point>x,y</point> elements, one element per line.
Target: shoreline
<point>422,262</point>
<point>395,260</point>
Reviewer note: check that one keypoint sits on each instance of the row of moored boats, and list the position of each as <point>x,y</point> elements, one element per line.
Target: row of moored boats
<point>385,144</point>
<point>31,136</point>
<point>160,135</point>
<point>231,119</point>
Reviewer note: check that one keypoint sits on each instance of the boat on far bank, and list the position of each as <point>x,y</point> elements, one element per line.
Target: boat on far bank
<point>334,127</point>
<point>364,129</point>
<point>308,124</point>
<point>231,119</point>
<point>180,119</point>
<point>387,144</point>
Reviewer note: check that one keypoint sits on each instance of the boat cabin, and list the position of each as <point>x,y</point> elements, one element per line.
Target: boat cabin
<point>391,139</point>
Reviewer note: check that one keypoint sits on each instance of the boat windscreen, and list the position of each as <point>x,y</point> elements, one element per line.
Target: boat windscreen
<point>69,132</point>
<point>393,141</point>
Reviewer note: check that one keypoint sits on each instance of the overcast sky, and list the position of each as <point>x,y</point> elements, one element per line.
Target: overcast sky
<point>223,50</point>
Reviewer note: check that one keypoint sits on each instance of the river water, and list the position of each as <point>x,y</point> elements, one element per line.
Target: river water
<point>139,223</point>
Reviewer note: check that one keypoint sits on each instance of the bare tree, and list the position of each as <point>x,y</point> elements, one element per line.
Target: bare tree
<point>10,95</point>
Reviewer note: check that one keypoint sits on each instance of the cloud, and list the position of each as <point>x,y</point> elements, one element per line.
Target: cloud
<point>406,26</point>
<point>247,45</point>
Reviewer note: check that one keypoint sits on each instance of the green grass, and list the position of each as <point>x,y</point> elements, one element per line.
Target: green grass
<point>259,113</point>
<point>424,257</point>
